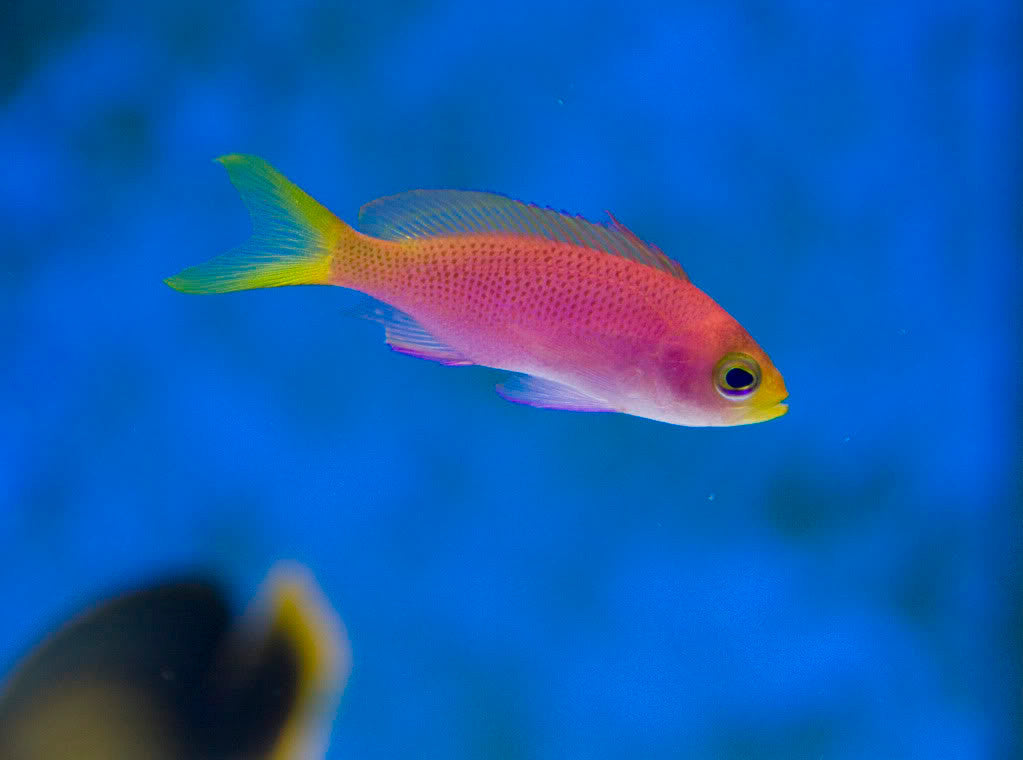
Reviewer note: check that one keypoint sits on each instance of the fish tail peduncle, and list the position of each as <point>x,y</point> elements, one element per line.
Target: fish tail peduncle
<point>294,238</point>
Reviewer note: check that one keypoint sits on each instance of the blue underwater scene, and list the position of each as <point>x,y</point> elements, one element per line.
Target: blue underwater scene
<point>844,179</point>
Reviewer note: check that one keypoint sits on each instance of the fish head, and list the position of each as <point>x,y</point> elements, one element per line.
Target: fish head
<point>712,373</point>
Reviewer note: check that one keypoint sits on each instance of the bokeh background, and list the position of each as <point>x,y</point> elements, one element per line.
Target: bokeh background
<point>844,178</point>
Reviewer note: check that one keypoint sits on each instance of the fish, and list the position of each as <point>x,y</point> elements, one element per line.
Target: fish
<point>169,672</point>
<point>586,316</point>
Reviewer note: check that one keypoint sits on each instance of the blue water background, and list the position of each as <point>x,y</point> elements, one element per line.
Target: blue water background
<point>844,178</point>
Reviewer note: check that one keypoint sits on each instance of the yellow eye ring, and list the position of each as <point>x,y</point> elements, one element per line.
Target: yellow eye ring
<point>736,377</point>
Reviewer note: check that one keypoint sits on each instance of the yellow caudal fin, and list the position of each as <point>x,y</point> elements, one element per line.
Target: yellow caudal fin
<point>293,237</point>
<point>301,621</point>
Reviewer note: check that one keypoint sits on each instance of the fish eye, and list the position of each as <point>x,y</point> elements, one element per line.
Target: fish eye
<point>736,376</point>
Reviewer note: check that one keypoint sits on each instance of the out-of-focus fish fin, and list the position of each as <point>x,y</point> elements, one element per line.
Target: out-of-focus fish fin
<point>536,391</point>
<point>446,213</point>
<point>404,335</point>
<point>295,613</point>
<point>293,237</point>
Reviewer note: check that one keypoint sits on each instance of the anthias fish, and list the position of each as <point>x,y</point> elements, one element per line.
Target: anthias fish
<point>588,316</point>
<point>168,672</point>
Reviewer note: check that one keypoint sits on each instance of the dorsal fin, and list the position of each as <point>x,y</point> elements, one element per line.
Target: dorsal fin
<point>445,213</point>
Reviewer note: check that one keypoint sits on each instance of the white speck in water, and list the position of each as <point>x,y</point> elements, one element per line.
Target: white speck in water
<point>711,496</point>
<point>847,439</point>
<point>167,674</point>
<point>561,102</point>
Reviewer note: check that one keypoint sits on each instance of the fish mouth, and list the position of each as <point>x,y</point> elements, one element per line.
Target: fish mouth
<point>770,412</point>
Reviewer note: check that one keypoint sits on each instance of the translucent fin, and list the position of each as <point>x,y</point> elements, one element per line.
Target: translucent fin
<point>445,213</point>
<point>300,618</point>
<point>404,335</point>
<point>293,237</point>
<point>547,394</point>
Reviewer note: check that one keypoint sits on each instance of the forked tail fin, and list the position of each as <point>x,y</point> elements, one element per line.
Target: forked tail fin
<point>293,237</point>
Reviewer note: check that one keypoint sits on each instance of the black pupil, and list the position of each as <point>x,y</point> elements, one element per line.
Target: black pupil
<point>737,377</point>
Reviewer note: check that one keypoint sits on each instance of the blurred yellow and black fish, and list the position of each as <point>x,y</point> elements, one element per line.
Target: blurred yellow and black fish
<point>169,672</point>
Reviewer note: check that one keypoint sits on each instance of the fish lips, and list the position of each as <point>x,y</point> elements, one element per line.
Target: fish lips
<point>767,411</point>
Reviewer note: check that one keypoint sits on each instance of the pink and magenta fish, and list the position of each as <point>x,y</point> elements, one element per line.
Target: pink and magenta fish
<point>588,316</point>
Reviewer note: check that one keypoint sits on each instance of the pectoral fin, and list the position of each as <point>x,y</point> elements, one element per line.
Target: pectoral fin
<point>406,336</point>
<point>547,394</point>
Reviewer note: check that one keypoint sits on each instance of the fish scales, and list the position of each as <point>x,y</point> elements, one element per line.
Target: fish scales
<point>484,290</point>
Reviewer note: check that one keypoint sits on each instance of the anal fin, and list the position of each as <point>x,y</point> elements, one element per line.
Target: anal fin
<point>405,335</point>
<point>547,394</point>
